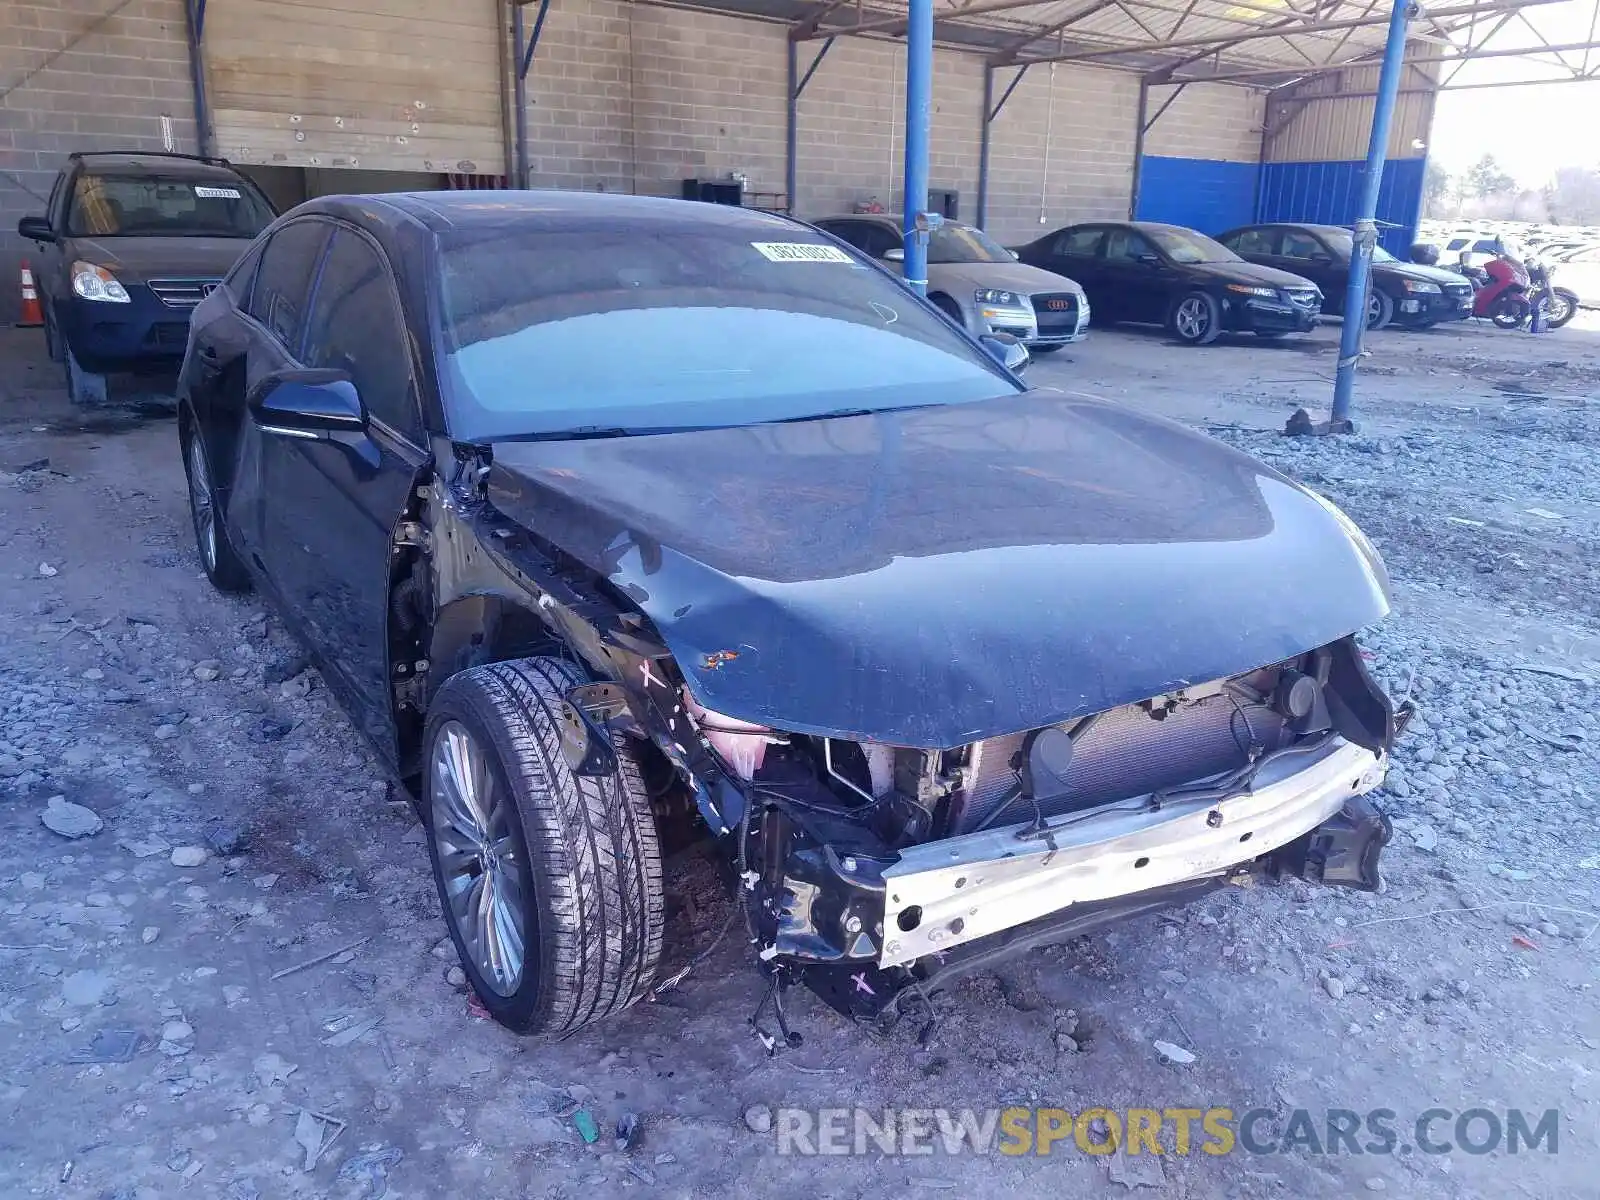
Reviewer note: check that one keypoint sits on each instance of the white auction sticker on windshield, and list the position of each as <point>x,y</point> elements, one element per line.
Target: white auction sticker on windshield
<point>216,193</point>
<point>802,252</point>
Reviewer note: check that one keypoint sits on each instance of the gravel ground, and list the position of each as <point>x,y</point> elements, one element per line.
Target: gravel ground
<point>244,911</point>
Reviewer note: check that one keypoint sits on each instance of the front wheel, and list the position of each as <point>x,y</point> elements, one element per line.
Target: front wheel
<point>223,567</point>
<point>1561,307</point>
<point>1196,319</point>
<point>550,881</point>
<point>1510,311</point>
<point>1380,310</point>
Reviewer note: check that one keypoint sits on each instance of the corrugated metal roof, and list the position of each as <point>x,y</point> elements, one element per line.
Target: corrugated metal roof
<point>1275,38</point>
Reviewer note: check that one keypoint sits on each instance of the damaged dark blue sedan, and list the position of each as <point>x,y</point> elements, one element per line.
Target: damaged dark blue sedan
<point>615,520</point>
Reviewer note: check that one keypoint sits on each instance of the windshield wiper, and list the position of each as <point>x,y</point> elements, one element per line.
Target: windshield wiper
<point>843,412</point>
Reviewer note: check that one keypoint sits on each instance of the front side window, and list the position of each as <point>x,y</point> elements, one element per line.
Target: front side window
<point>1125,245</point>
<point>283,280</point>
<point>659,325</point>
<point>153,206</point>
<point>354,326</point>
<point>953,243</point>
<point>1302,246</point>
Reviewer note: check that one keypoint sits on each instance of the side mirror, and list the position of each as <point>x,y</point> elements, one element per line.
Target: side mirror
<point>315,403</point>
<point>1150,258</point>
<point>1321,256</point>
<point>895,255</point>
<point>1015,257</point>
<point>36,229</point>
<point>1007,350</point>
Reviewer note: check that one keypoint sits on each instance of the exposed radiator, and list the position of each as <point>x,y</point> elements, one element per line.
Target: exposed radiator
<point>1128,753</point>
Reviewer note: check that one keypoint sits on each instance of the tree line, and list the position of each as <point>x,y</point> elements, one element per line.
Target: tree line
<point>1486,189</point>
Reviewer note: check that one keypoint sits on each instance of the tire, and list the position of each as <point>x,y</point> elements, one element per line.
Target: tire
<point>1038,350</point>
<point>1561,308</point>
<point>222,566</point>
<point>571,864</point>
<point>949,308</point>
<point>1510,311</point>
<point>1195,319</point>
<point>83,387</point>
<point>1380,310</point>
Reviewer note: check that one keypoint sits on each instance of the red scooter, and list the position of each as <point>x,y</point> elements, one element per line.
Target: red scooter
<point>1500,290</point>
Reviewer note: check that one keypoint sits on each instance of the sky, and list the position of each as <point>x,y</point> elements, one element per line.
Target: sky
<point>1530,130</point>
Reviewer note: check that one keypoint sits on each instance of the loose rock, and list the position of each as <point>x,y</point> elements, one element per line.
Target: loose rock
<point>69,820</point>
<point>190,856</point>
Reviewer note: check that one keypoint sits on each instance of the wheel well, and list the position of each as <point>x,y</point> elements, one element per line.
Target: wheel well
<point>469,632</point>
<point>946,302</point>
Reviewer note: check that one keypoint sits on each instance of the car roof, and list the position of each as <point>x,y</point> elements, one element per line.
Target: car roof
<point>169,166</point>
<point>447,211</point>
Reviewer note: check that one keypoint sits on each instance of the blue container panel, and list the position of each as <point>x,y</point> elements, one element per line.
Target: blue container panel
<point>1326,193</point>
<point>1202,193</point>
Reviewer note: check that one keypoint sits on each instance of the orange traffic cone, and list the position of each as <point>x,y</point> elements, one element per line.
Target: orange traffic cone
<point>32,314</point>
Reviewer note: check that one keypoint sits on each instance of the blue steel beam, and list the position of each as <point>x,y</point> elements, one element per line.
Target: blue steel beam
<point>1366,225</point>
<point>919,116</point>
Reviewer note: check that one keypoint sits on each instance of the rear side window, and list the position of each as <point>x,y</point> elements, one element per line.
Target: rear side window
<point>1080,243</point>
<point>1255,241</point>
<point>283,280</point>
<point>355,326</point>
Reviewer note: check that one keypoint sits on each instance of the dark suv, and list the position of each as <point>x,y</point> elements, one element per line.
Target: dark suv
<point>131,243</point>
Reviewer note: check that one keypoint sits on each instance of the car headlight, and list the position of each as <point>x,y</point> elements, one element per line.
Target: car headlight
<point>1245,289</point>
<point>995,296</point>
<point>1418,285</point>
<point>97,283</point>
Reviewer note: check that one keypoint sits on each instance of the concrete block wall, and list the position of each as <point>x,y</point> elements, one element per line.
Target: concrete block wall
<point>1062,150</point>
<point>633,97</point>
<point>1207,120</point>
<point>76,78</point>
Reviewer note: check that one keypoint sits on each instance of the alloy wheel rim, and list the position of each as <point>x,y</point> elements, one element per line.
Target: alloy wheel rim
<point>485,877</point>
<point>1374,308</point>
<point>1192,318</point>
<point>205,514</point>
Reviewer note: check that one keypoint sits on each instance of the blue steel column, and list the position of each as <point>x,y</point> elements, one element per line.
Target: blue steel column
<point>1366,225</point>
<point>919,114</point>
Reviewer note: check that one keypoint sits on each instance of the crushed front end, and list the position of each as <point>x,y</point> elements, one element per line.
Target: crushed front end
<point>869,869</point>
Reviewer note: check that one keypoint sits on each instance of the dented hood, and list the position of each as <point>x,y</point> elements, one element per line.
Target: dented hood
<point>934,576</point>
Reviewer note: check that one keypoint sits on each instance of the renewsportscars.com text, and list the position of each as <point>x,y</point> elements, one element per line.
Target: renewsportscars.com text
<point>1212,1131</point>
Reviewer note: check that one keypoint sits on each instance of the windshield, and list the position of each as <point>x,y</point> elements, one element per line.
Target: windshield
<point>1340,242</point>
<point>151,206</point>
<point>1187,246</point>
<point>666,325</point>
<point>951,243</point>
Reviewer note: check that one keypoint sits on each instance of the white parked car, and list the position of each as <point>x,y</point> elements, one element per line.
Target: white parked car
<point>978,282</point>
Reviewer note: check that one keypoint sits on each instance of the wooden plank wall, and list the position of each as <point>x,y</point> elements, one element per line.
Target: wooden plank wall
<point>396,85</point>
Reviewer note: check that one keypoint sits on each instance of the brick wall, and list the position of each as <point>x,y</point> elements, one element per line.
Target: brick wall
<point>1207,120</point>
<point>76,78</point>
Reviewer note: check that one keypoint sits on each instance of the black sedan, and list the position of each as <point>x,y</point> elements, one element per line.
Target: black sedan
<point>1146,272</point>
<point>1405,294</point>
<point>613,520</point>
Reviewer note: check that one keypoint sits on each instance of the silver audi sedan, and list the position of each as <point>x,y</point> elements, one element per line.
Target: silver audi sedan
<point>978,282</point>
